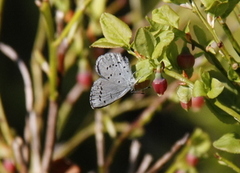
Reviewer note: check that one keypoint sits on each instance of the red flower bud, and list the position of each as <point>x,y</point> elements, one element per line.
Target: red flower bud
<point>159,84</point>
<point>187,105</point>
<point>185,60</point>
<point>9,165</point>
<point>181,171</point>
<point>192,159</point>
<point>85,79</point>
<point>197,103</point>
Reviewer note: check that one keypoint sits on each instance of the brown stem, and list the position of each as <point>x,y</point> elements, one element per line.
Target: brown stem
<point>50,136</point>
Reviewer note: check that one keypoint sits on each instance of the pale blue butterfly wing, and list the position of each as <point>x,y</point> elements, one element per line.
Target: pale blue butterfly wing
<point>116,79</point>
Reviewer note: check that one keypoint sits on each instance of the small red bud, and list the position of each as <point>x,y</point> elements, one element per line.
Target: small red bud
<point>180,171</point>
<point>9,165</point>
<point>187,105</point>
<point>159,84</point>
<point>192,159</point>
<point>197,103</point>
<point>85,79</point>
<point>185,60</point>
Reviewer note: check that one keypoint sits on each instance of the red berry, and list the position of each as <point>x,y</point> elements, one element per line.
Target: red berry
<point>185,61</point>
<point>187,105</point>
<point>9,165</point>
<point>197,103</point>
<point>192,159</point>
<point>85,79</point>
<point>159,84</point>
<point>180,171</point>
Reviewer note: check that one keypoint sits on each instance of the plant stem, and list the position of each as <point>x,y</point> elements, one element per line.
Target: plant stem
<point>67,106</point>
<point>99,137</point>
<point>74,19</point>
<point>227,163</point>
<point>5,129</point>
<point>228,110</point>
<point>63,150</point>
<point>179,77</point>
<point>229,34</point>
<point>212,31</point>
<point>50,136</point>
<point>211,58</point>
<point>53,81</point>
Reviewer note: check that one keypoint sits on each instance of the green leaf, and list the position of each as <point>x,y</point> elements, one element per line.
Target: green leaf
<point>219,113</point>
<point>216,7</point>
<point>231,5</point>
<point>104,43</point>
<point>229,142</point>
<point>155,28</point>
<point>216,88</point>
<point>100,5</point>
<point>115,30</point>
<point>200,141</point>
<point>166,37</point>
<point>184,93</point>
<point>201,35</point>
<point>199,89</point>
<point>176,1</point>
<point>144,42</point>
<point>165,16</point>
<point>205,78</point>
<point>144,70</point>
<point>233,75</point>
<point>171,54</point>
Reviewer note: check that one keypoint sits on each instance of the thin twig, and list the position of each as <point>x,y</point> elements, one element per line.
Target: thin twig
<point>11,53</point>
<point>145,163</point>
<point>50,136</point>
<point>35,143</point>
<point>5,129</point>
<point>227,163</point>
<point>99,140</point>
<point>67,105</point>
<point>66,148</point>
<point>166,157</point>
<point>134,151</point>
<point>19,155</point>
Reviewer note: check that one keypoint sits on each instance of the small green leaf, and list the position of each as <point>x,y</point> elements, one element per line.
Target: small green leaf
<point>199,89</point>
<point>115,30</point>
<point>216,88</point>
<point>219,113</point>
<point>155,28</point>
<point>104,43</point>
<point>233,75</point>
<point>184,93</point>
<point>200,141</point>
<point>165,16</point>
<point>166,38</point>
<point>170,55</point>
<point>205,78</point>
<point>144,70</point>
<point>216,7</point>
<point>229,142</point>
<point>231,5</point>
<point>176,1</point>
<point>108,123</point>
<point>144,42</point>
<point>200,34</point>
